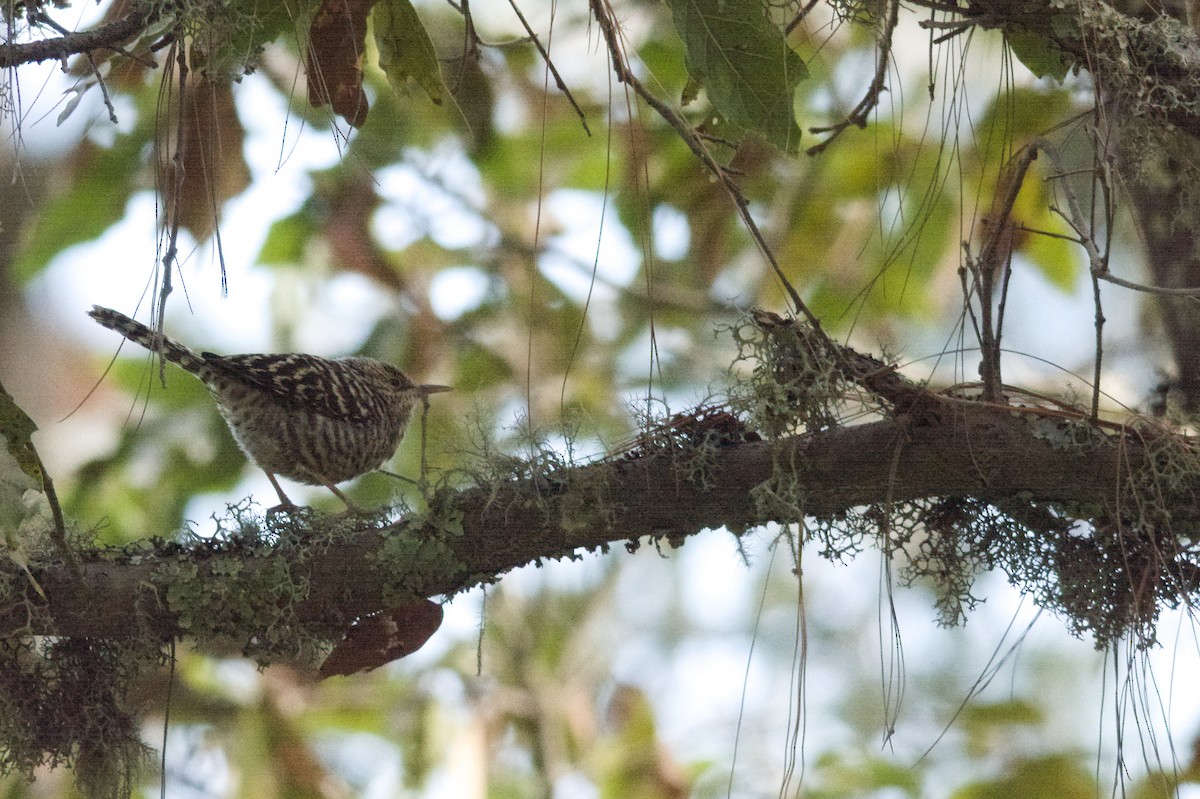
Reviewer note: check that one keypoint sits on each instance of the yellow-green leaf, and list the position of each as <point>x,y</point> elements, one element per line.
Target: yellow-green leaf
<point>405,49</point>
<point>1039,54</point>
<point>287,239</point>
<point>17,430</point>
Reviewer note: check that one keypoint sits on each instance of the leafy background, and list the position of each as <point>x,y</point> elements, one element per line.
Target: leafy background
<point>568,284</point>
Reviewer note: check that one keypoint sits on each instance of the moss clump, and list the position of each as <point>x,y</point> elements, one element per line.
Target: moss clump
<point>64,703</point>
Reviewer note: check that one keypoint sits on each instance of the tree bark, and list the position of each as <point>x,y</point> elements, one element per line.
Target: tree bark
<point>992,453</point>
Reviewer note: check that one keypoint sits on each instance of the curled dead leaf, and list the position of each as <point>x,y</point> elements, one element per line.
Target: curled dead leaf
<point>336,42</point>
<point>383,637</point>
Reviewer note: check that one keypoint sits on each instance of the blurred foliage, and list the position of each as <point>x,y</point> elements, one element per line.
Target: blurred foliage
<point>870,232</point>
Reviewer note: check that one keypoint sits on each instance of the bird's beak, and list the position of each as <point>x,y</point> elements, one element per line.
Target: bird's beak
<point>427,389</point>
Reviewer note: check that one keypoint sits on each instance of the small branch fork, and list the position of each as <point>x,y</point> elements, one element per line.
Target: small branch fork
<point>861,113</point>
<point>995,259</point>
<point>1078,222</point>
<point>558,80</point>
<point>1084,230</point>
<point>177,60</point>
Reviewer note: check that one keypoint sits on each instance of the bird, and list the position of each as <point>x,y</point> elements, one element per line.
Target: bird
<point>318,421</point>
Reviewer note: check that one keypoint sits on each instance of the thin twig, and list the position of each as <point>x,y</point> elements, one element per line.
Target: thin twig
<point>424,465</point>
<point>1108,277</point>
<point>993,260</point>
<point>954,27</point>
<point>1099,324</point>
<point>558,81</point>
<point>933,5</point>
<point>858,117</point>
<point>968,291</point>
<point>1003,304</point>
<point>59,533</point>
<point>171,255</point>
<point>112,112</point>
<point>39,17</point>
<point>1099,262</point>
<point>1100,177</point>
<point>796,20</point>
<point>998,217</point>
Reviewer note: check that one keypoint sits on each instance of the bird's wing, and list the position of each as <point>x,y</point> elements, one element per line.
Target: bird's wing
<point>305,382</point>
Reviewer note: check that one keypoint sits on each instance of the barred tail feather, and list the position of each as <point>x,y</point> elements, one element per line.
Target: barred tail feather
<point>139,334</point>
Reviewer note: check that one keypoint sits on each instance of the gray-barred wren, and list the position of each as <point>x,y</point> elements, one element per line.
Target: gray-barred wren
<point>315,420</point>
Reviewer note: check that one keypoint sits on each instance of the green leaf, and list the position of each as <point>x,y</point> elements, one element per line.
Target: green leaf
<point>16,430</point>
<point>100,183</point>
<point>1022,114</point>
<point>744,63</point>
<point>479,368</point>
<point>1012,711</point>
<point>405,49</point>
<point>663,58</point>
<point>1057,259</point>
<point>1039,54</point>
<point>287,239</point>
<point>238,33</point>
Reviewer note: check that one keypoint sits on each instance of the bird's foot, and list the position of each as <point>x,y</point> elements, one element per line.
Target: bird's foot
<point>288,507</point>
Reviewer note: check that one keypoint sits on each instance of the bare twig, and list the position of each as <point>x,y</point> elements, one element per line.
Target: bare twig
<point>112,112</point>
<point>953,27</point>
<point>995,259</point>
<point>39,17</point>
<point>800,15</point>
<point>933,5</point>
<point>858,116</point>
<point>558,81</point>
<point>1100,178</point>
<point>1074,217</point>
<point>968,290</point>
<point>171,255</point>
<point>1099,325</point>
<point>59,533</point>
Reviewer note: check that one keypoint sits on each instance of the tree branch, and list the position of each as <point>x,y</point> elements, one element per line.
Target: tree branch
<point>992,453</point>
<point>110,35</point>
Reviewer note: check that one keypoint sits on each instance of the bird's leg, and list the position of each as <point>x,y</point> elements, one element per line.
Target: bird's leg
<point>401,477</point>
<point>285,504</point>
<point>350,506</point>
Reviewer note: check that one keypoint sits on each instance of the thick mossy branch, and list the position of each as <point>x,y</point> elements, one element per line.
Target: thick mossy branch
<point>953,485</point>
<point>321,579</point>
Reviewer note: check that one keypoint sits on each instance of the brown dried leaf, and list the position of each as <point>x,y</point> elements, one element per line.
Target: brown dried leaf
<point>348,230</point>
<point>383,637</point>
<point>336,41</point>
<point>213,162</point>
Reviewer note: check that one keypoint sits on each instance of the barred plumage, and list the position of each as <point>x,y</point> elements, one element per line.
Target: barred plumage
<point>314,420</point>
